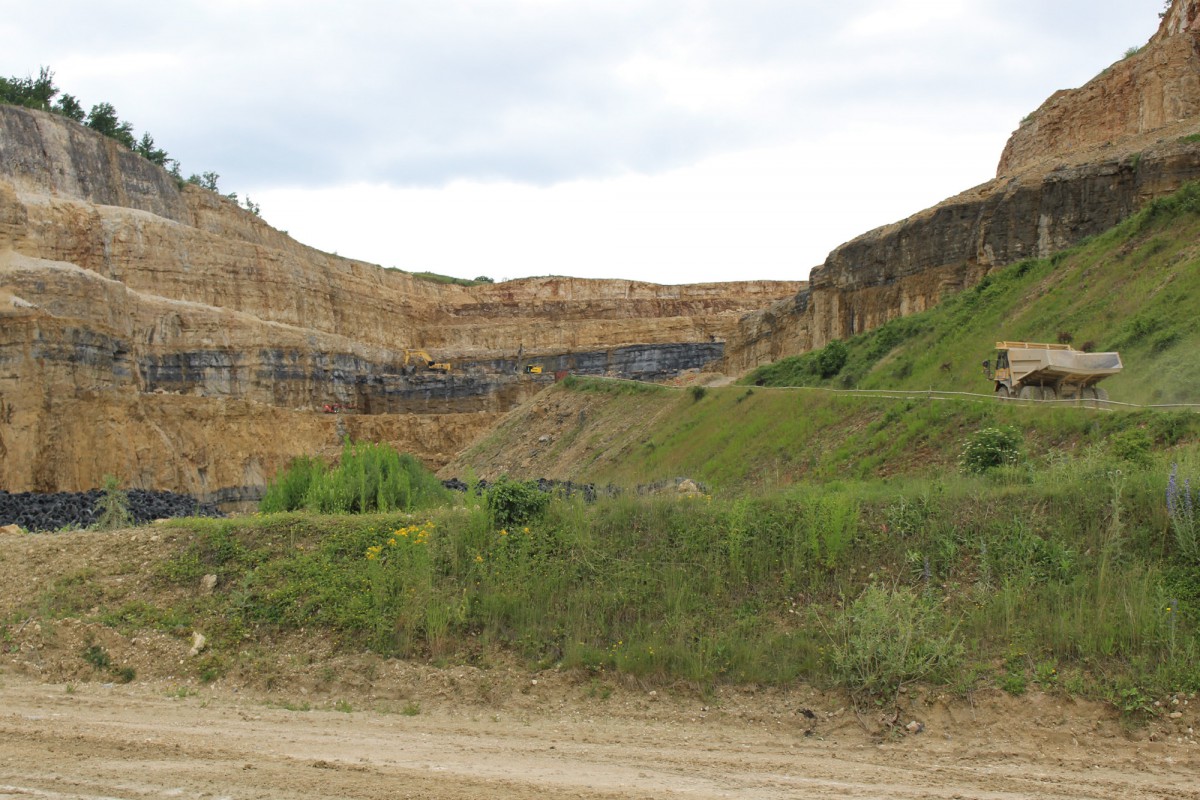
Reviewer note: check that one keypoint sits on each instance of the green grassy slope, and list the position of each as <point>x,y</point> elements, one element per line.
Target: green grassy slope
<point>738,439</point>
<point>1134,289</point>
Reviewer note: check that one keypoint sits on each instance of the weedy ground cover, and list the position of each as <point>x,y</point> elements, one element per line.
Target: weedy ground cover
<point>1066,576</point>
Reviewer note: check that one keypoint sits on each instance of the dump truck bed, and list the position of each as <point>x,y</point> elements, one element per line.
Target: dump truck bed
<point>1043,363</point>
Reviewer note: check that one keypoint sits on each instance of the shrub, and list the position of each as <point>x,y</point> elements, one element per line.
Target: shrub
<point>889,638</point>
<point>512,503</point>
<point>1133,445</point>
<point>114,506</point>
<point>370,478</point>
<point>698,393</point>
<point>832,358</point>
<point>992,447</point>
<point>97,656</point>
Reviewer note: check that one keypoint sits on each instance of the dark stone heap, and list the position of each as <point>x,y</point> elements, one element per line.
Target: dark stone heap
<point>50,512</point>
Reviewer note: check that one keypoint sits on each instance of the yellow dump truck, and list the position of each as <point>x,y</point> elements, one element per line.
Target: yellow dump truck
<point>1035,371</point>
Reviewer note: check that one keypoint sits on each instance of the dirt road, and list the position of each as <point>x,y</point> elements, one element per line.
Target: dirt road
<point>143,740</point>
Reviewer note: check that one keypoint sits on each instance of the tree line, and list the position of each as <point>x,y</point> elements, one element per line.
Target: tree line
<point>40,93</point>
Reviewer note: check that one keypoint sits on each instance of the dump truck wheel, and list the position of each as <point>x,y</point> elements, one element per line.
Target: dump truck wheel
<point>1049,393</point>
<point>1101,394</point>
<point>1002,392</point>
<point>1030,393</point>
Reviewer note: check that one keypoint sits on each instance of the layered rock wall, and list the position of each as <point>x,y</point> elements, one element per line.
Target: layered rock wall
<point>1154,88</point>
<point>164,335</point>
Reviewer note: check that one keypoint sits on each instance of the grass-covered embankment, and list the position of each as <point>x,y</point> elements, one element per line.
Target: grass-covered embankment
<point>739,439</point>
<point>1065,575</point>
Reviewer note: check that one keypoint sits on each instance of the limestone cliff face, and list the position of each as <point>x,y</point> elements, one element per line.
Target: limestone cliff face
<point>168,337</point>
<point>1155,88</point>
<point>1082,163</point>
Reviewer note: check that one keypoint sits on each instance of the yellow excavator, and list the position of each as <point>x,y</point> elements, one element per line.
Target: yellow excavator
<point>419,358</point>
<point>530,369</point>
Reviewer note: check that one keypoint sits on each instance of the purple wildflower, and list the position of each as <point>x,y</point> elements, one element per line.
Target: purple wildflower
<point>1173,490</point>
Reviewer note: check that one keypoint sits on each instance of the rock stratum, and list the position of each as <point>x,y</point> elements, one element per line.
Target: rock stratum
<point>168,337</point>
<point>1084,161</point>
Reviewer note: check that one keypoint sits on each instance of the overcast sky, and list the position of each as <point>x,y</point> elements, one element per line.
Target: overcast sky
<point>675,141</point>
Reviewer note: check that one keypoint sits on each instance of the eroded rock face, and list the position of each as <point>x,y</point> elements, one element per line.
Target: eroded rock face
<point>168,337</point>
<point>1152,89</point>
<point>1086,160</point>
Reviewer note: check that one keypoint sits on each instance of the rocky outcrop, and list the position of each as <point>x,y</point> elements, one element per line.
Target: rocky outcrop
<point>1086,160</point>
<point>164,335</point>
<point>1151,89</point>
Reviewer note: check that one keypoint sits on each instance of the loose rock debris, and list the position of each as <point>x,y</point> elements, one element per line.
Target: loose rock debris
<point>34,511</point>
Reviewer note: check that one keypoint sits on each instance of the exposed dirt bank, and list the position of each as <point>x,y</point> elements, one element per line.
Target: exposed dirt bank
<point>294,718</point>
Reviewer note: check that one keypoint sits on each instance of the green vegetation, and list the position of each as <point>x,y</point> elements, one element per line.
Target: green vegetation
<point>512,503</point>
<point>369,478</point>
<point>580,383</point>
<point>870,541</point>
<point>748,439</point>
<point>434,277</point>
<point>992,447</point>
<point>1064,576</point>
<point>99,658</point>
<point>114,506</point>
<point>1131,289</point>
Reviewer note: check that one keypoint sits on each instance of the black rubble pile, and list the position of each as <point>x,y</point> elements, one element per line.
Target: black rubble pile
<point>455,485</point>
<point>51,512</point>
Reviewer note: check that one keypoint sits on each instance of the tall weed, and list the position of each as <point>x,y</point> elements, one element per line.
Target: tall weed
<point>890,637</point>
<point>369,478</point>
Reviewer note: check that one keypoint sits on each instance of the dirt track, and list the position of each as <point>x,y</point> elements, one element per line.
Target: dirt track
<point>138,741</point>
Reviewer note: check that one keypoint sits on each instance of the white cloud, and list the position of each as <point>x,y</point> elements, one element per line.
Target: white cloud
<point>899,19</point>
<point>760,214</point>
<point>674,140</point>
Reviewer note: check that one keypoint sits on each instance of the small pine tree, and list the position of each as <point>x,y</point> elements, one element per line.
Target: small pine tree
<point>113,506</point>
